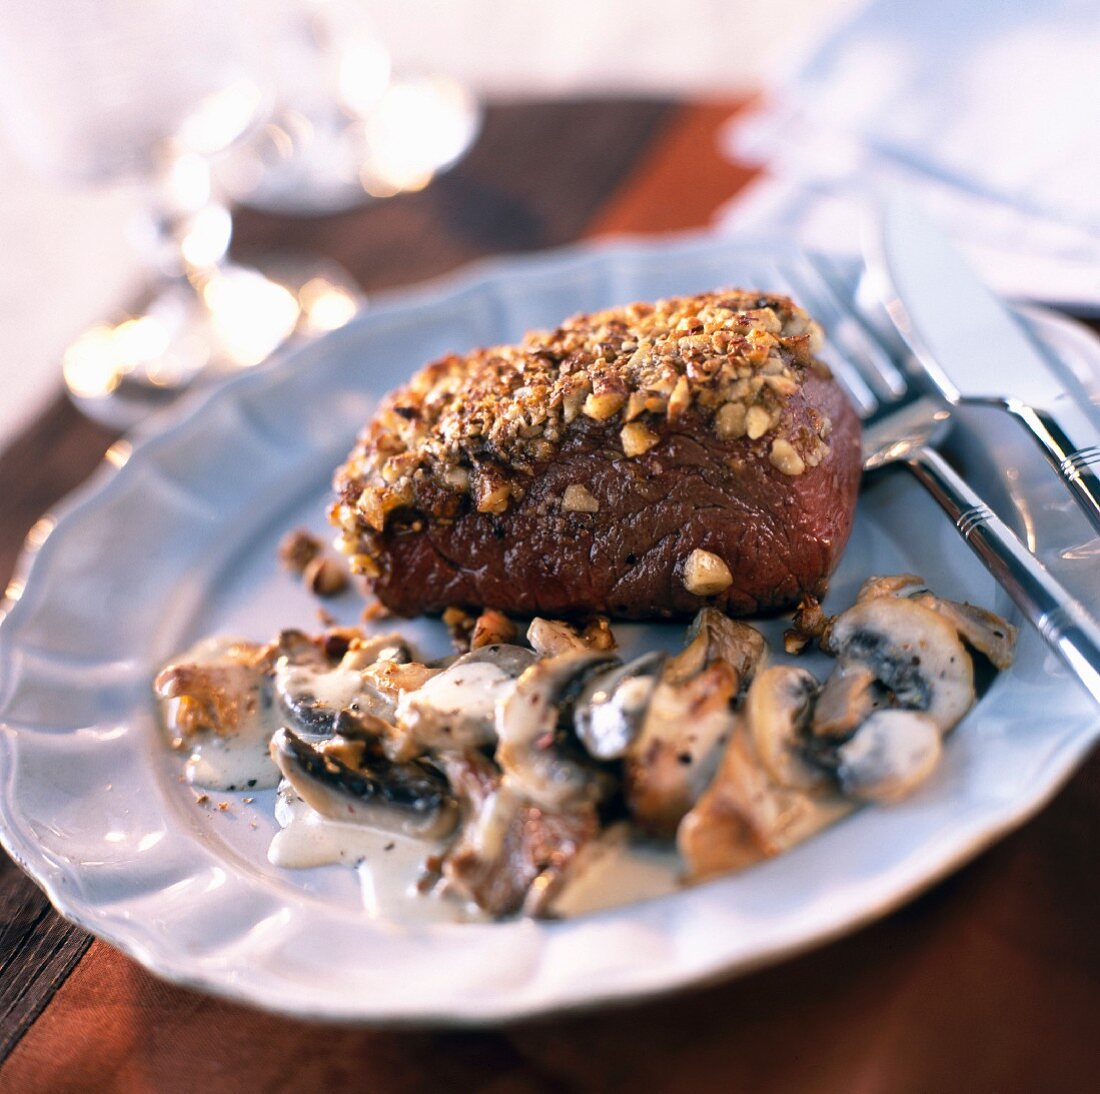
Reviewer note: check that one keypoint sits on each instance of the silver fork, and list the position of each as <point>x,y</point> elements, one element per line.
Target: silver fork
<point>904,427</point>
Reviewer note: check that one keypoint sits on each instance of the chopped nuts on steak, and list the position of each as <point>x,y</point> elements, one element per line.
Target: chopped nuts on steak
<point>577,499</point>
<point>475,428</point>
<point>705,574</point>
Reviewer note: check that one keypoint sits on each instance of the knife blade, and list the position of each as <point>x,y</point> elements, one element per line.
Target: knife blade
<point>973,350</point>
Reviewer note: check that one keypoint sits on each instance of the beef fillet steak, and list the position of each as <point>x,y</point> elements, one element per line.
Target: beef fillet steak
<point>639,462</point>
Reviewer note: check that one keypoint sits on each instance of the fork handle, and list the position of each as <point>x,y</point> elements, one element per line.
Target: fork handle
<point>1063,622</point>
<point>1074,465</point>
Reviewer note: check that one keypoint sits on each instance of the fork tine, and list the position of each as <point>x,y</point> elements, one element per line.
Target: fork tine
<point>873,352</point>
<point>855,386</point>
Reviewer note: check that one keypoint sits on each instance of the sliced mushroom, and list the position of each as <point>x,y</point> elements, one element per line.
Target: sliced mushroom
<point>850,695</point>
<point>457,707</point>
<point>912,651</point>
<point>320,697</point>
<point>777,712</point>
<point>745,816</point>
<point>712,637</point>
<point>533,750</point>
<point>889,756</point>
<point>609,711</point>
<point>353,782</point>
<point>895,585</point>
<point>982,630</point>
<point>674,756</point>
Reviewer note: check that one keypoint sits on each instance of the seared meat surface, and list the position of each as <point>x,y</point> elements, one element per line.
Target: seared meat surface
<point>579,471</point>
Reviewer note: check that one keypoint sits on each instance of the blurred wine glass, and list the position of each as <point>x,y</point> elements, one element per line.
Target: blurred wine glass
<point>344,129</point>
<point>95,91</point>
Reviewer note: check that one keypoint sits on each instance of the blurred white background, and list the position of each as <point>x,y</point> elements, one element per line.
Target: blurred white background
<point>989,107</point>
<point>66,261</point>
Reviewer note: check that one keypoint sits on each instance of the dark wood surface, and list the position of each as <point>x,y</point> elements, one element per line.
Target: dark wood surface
<point>988,982</point>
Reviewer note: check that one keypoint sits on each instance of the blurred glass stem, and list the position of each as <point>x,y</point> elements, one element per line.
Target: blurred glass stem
<point>202,315</point>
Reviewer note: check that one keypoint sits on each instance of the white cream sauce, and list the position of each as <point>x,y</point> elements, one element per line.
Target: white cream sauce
<point>389,866</point>
<point>617,871</point>
<point>335,688</point>
<point>457,707</point>
<point>621,871</point>
<point>240,762</point>
<point>232,761</point>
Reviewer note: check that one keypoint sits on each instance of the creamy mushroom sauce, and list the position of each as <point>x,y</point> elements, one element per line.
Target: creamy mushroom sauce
<point>332,686</point>
<point>780,768</point>
<point>236,761</point>
<point>389,865</point>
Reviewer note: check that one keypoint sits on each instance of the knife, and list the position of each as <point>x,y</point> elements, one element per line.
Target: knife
<point>971,348</point>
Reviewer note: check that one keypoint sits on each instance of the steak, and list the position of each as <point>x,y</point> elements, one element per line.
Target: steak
<point>639,463</point>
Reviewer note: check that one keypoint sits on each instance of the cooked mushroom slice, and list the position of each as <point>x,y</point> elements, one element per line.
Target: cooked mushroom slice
<point>777,716</point>
<point>673,758</point>
<point>896,585</point>
<point>889,756</point>
<point>609,711</point>
<point>353,781</point>
<point>712,637</point>
<point>457,707</point>
<point>320,697</point>
<point>982,630</point>
<point>913,652</point>
<point>510,854</point>
<point>850,695</point>
<point>533,749</point>
<point>744,816</point>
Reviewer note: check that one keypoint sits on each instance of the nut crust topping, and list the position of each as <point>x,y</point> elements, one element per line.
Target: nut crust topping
<point>475,428</point>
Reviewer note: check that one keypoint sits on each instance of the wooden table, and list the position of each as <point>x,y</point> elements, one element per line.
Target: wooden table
<point>990,981</point>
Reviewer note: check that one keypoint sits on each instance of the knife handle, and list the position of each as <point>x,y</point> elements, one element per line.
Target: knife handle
<point>1067,627</point>
<point>1074,466</point>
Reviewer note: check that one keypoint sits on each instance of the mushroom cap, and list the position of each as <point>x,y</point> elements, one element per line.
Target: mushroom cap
<point>529,750</point>
<point>777,714</point>
<point>674,756</point>
<point>456,708</point>
<point>712,637</point>
<point>609,711</point>
<point>744,816</point>
<point>982,630</point>
<point>913,651</point>
<point>889,756</point>
<point>850,695</point>
<point>354,783</point>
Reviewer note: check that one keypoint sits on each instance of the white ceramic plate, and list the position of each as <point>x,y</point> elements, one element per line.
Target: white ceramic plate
<point>178,541</point>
